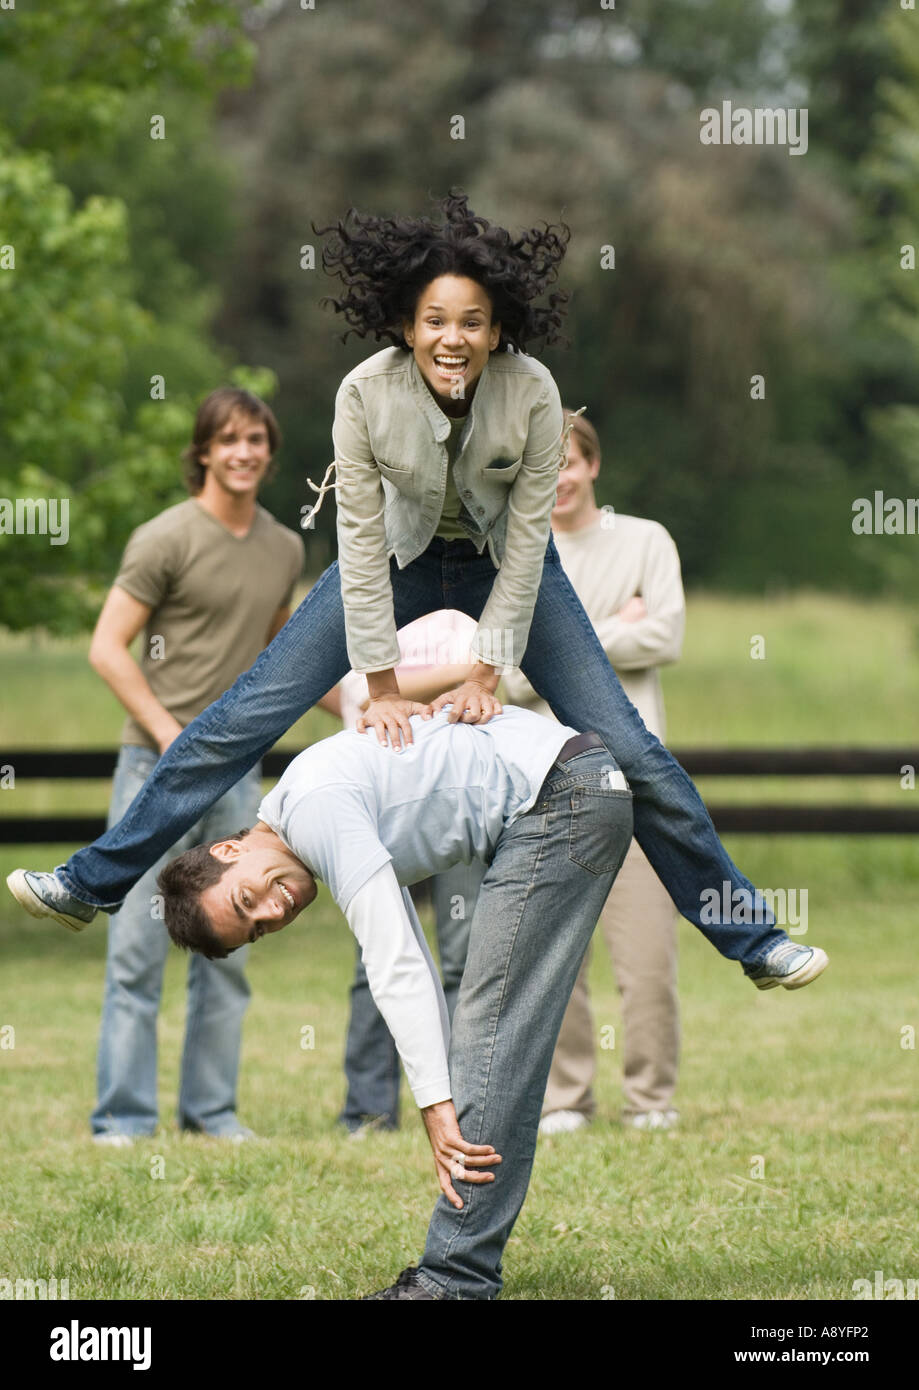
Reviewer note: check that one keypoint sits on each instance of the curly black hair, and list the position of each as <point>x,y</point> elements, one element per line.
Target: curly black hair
<point>386,262</point>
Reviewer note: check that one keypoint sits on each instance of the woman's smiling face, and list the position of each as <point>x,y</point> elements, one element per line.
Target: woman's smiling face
<point>451,338</point>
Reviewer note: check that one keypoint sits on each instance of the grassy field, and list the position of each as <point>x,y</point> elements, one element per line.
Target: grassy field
<point>789,1178</point>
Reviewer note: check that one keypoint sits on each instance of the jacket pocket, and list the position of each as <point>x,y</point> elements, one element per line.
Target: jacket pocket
<point>398,469</point>
<point>501,469</point>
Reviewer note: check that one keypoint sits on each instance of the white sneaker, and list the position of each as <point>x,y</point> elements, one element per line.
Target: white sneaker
<point>790,965</point>
<point>114,1140</point>
<point>42,896</point>
<point>653,1119</point>
<point>562,1122</point>
<point>238,1136</point>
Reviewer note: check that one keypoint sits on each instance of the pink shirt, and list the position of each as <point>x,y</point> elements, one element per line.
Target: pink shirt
<point>441,638</point>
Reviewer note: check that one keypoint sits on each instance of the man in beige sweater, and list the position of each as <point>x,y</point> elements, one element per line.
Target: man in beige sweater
<point>626,572</point>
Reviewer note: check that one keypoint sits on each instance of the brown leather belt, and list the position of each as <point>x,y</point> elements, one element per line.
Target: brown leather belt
<point>581,743</point>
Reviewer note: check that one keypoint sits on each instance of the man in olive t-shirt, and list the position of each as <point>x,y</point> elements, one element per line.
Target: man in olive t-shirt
<point>209,582</point>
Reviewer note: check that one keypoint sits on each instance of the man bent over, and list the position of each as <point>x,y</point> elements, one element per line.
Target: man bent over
<point>550,813</point>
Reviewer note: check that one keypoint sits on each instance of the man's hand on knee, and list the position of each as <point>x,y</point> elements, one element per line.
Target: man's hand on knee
<point>454,1159</point>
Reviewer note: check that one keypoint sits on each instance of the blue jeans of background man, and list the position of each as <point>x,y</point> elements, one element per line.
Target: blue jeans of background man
<point>565,664</point>
<point>218,991</point>
<point>371,1061</point>
<point>537,909</point>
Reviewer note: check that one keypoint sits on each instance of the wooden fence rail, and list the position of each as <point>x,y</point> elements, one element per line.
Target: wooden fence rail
<point>64,764</point>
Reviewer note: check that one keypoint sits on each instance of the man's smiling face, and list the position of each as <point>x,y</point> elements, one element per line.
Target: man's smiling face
<point>239,454</point>
<point>263,888</point>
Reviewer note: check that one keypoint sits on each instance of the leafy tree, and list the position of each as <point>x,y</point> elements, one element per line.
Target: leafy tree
<point>889,270</point>
<point>99,295</point>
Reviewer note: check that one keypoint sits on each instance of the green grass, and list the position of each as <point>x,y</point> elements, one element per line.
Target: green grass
<point>814,1084</point>
<point>835,671</point>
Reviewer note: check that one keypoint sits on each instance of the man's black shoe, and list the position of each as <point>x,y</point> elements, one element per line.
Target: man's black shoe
<point>406,1286</point>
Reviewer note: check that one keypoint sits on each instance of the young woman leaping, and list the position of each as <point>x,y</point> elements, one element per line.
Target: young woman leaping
<point>448,445</point>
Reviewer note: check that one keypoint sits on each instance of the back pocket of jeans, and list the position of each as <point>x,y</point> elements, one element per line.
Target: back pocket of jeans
<point>600,829</point>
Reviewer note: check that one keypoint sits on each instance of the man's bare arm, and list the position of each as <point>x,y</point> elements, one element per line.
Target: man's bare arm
<point>121,619</point>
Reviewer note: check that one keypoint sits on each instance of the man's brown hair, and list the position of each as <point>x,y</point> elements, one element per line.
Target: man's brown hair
<point>181,883</point>
<point>213,413</point>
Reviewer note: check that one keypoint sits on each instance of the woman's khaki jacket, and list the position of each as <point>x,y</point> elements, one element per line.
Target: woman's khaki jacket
<point>389,436</point>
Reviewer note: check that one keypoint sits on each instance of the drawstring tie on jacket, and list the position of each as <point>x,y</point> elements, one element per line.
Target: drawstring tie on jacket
<point>566,435</point>
<point>308,513</point>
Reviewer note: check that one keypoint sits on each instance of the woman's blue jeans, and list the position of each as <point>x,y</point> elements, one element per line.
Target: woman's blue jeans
<point>564,662</point>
